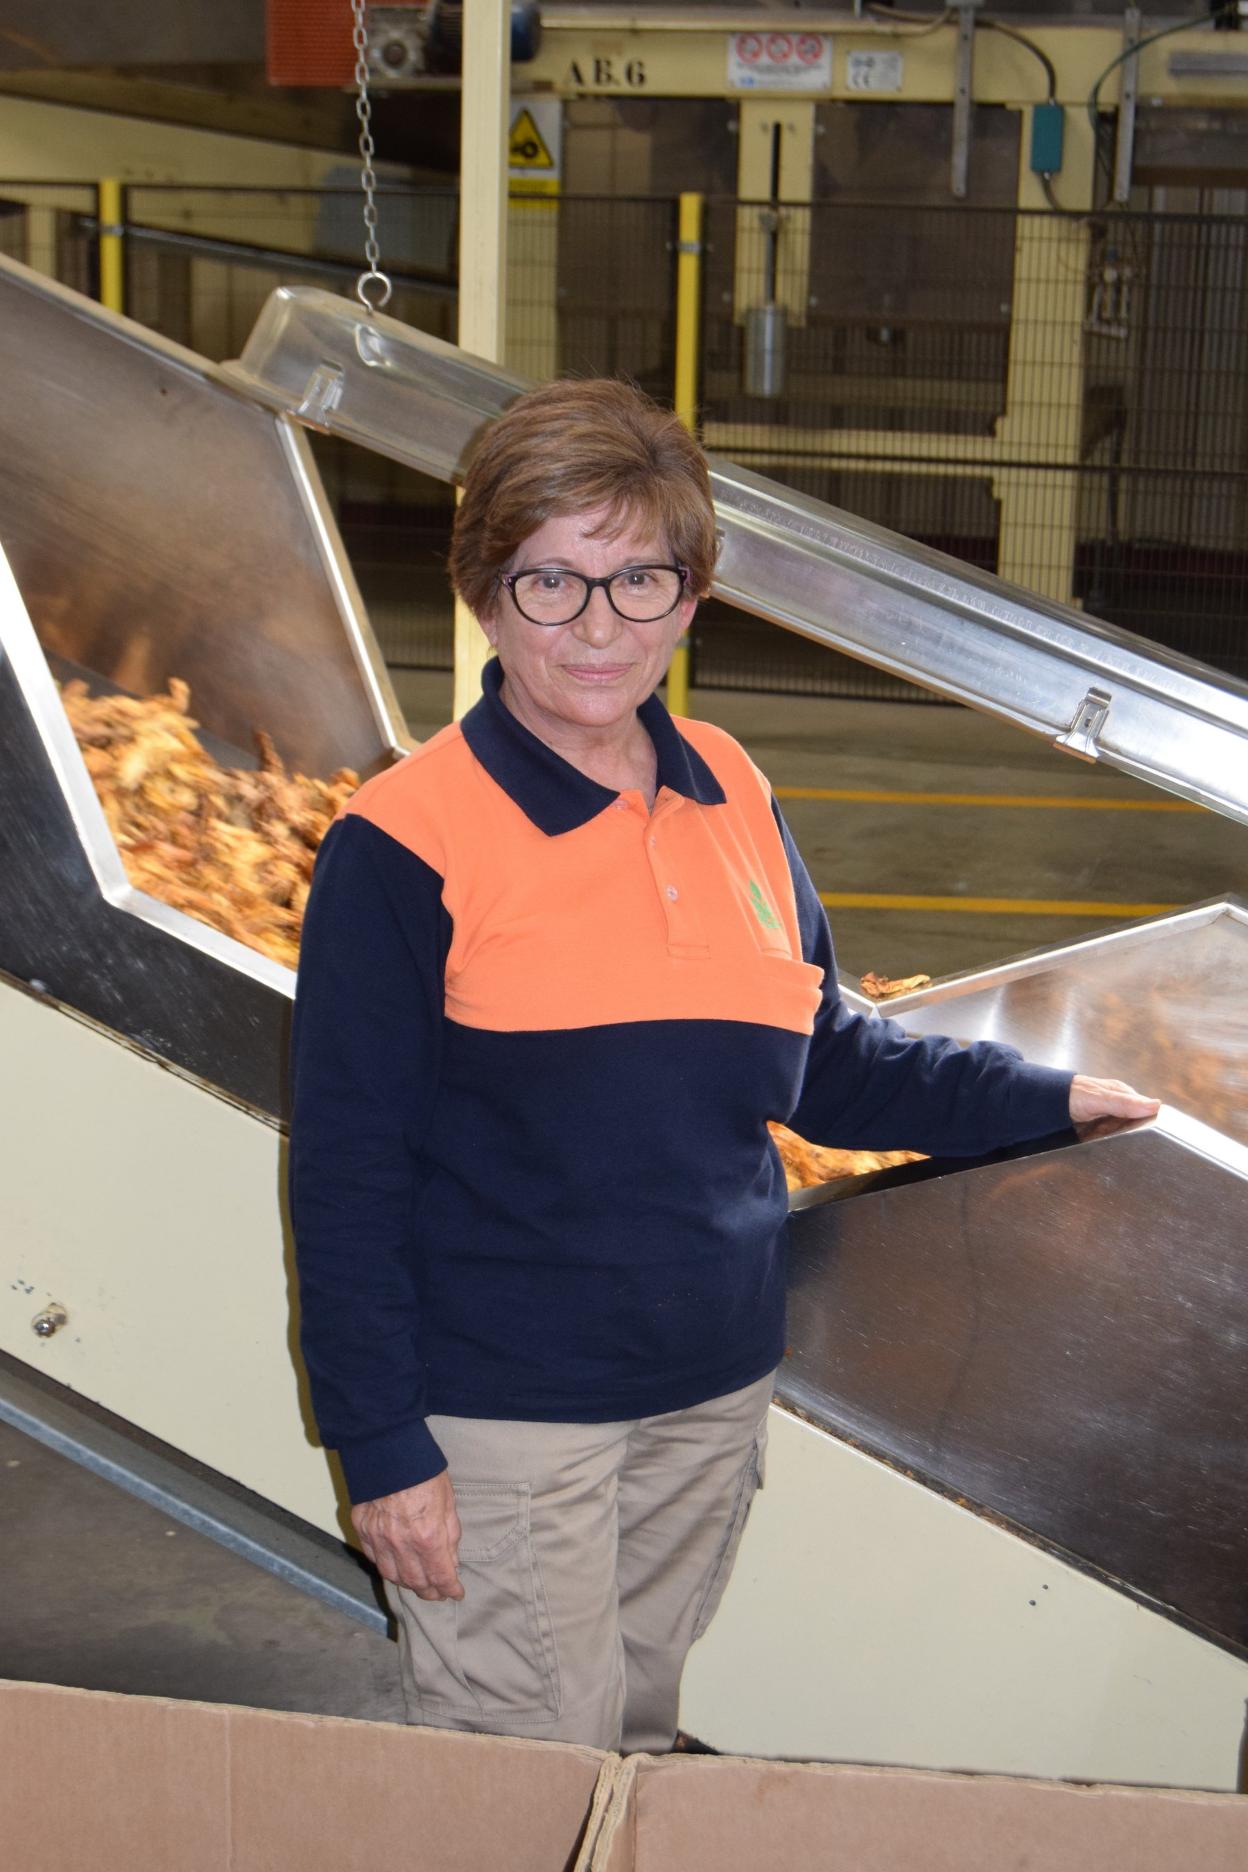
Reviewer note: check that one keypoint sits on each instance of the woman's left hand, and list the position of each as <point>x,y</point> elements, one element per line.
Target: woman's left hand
<point>1091,1099</point>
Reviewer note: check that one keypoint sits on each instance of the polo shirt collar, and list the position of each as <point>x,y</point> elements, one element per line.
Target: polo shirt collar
<point>553,793</point>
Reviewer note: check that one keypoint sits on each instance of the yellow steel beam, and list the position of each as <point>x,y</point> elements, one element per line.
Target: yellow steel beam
<point>42,142</point>
<point>52,147</point>
<point>775,149</point>
<point>983,398</point>
<point>482,249</point>
<point>1044,394</point>
<point>915,452</point>
<point>635,55</point>
<point>685,400</point>
<point>318,120</point>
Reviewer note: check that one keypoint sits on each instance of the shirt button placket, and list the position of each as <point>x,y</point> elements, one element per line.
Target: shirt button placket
<point>684,932</point>
<point>668,889</point>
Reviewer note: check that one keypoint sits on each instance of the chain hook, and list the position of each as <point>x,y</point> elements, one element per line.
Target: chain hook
<point>372,281</point>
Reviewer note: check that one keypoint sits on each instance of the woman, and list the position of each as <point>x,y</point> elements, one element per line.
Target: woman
<point>559,969</point>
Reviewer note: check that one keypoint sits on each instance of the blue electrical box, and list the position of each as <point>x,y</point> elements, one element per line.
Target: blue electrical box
<point>1048,130</point>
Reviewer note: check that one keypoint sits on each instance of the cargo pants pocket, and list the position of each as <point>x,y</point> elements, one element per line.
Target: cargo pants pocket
<point>490,1656</point>
<point>748,1484</point>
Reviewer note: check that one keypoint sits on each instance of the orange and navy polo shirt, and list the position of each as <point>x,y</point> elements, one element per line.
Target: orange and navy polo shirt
<point>539,1032</point>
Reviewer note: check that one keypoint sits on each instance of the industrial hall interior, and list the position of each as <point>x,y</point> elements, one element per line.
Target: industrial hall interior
<point>945,309</point>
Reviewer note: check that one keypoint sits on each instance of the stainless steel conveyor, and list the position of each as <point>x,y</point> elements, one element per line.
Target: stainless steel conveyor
<point>158,524</point>
<point>998,1372</point>
<point>1096,691</point>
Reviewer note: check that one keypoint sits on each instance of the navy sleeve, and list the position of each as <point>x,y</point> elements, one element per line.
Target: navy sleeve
<point>366,1048</point>
<point>868,1086</point>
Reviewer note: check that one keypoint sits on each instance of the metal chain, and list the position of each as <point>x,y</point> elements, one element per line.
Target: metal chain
<point>373,277</point>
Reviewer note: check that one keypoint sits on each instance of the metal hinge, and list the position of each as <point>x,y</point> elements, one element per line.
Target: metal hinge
<point>323,394</point>
<point>1081,737</point>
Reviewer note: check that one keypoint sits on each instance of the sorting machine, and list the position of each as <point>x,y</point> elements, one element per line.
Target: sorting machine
<point>1005,1524</point>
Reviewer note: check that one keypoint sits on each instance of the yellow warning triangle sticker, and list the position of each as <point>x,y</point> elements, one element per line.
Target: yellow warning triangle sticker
<point>526,148</point>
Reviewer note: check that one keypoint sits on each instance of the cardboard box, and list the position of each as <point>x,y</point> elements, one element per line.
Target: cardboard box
<point>93,1782</point>
<point>725,1814</point>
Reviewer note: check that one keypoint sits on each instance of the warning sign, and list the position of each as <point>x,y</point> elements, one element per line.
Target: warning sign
<point>535,148</point>
<point>526,148</point>
<point>780,61</point>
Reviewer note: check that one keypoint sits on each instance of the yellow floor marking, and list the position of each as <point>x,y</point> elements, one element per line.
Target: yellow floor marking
<point>1089,801</point>
<point>990,906</point>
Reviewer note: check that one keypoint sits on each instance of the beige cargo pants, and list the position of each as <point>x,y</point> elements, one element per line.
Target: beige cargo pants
<point>592,1556</point>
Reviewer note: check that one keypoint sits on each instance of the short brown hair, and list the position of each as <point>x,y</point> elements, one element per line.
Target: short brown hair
<point>569,447</point>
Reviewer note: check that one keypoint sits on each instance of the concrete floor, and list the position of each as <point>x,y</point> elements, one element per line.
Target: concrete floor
<point>100,1590</point>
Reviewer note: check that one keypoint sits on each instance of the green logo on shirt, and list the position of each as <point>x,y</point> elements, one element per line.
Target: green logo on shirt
<point>762,909</point>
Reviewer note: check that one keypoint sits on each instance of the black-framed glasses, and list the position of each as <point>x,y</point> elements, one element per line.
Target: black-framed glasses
<point>641,594</point>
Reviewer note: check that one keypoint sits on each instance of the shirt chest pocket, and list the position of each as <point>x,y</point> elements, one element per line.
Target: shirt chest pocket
<point>789,987</point>
<point>764,922</point>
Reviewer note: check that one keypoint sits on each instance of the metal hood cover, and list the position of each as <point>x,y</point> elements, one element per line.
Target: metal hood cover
<point>1098,692</point>
<point>158,524</point>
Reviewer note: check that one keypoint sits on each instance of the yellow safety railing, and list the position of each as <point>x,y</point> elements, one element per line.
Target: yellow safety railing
<point>688,325</point>
<point>111,215</point>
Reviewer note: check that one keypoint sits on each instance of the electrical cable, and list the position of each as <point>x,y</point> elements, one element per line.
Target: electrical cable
<point>1186,25</point>
<point>909,25</point>
<point>1045,179</point>
<point>928,22</point>
<point>1099,142</point>
<point>1101,151</point>
<point>1029,45</point>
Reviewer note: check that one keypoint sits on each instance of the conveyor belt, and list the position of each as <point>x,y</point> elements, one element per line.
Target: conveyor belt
<point>935,1319</point>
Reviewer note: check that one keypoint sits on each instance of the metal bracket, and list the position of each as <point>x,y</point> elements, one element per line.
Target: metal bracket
<point>398,41</point>
<point>962,99</point>
<point>1081,737</point>
<point>323,394</point>
<point>1124,147</point>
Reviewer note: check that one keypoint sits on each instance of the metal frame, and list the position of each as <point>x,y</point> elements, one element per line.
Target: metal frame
<point>1124,146</point>
<point>300,1556</point>
<point>963,97</point>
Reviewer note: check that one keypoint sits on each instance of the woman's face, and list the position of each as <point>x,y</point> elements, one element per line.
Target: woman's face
<point>592,674</point>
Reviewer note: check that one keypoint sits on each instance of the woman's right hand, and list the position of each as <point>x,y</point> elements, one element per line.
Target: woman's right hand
<point>412,1537</point>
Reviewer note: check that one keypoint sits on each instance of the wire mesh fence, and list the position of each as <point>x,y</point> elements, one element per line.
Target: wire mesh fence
<point>47,226</point>
<point>1059,399</point>
<point>1062,400</point>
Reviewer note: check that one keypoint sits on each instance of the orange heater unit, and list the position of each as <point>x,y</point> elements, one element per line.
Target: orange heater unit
<point>310,43</point>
